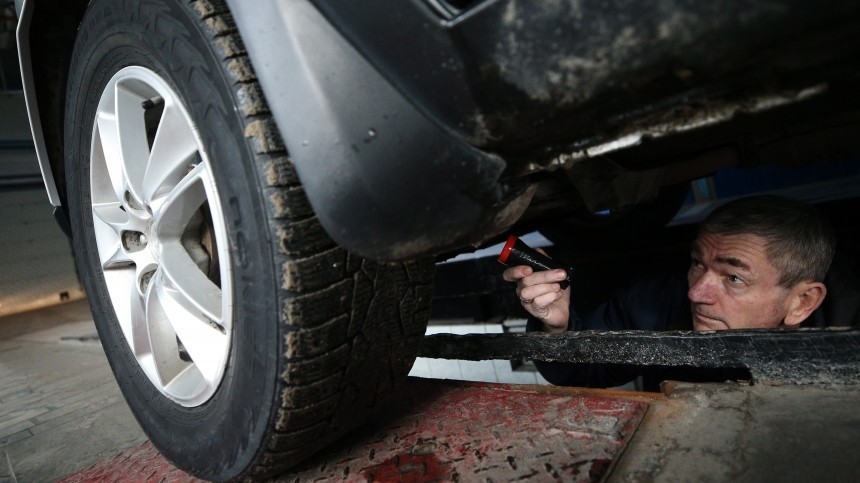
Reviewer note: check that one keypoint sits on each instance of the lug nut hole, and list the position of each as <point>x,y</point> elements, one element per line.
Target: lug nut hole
<point>134,241</point>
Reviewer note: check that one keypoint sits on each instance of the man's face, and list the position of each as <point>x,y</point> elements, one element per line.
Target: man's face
<point>733,285</point>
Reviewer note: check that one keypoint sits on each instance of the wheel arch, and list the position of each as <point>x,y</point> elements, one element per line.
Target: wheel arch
<point>387,179</point>
<point>46,35</point>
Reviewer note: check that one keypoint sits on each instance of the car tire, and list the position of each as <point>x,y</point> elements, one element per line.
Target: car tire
<point>242,337</point>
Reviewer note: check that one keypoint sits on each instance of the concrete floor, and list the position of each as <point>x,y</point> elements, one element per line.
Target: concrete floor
<point>36,260</point>
<point>62,412</point>
<point>61,409</point>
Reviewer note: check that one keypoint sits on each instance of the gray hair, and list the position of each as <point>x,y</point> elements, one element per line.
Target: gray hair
<point>800,244</point>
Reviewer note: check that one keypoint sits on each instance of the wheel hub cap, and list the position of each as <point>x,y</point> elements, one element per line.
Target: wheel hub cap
<point>160,234</point>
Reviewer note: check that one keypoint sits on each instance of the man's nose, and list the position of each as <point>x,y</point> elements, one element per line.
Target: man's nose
<point>702,288</point>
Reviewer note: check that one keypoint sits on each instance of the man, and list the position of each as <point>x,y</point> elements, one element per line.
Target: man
<point>758,262</point>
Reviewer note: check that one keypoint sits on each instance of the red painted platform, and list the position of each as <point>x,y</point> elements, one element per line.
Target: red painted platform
<point>441,431</point>
<point>140,463</point>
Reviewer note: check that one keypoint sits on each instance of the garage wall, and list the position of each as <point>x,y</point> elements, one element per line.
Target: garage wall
<point>36,264</point>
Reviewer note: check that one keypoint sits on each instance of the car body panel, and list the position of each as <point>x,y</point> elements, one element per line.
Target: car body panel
<point>515,76</point>
<point>25,14</point>
<point>418,128</point>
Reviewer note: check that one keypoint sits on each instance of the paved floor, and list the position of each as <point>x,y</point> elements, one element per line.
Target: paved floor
<point>36,260</point>
<point>61,412</point>
<point>61,409</point>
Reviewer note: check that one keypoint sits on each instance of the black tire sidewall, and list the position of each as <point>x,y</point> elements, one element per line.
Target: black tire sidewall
<point>222,437</point>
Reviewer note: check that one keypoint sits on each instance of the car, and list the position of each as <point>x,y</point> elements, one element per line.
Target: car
<point>257,192</point>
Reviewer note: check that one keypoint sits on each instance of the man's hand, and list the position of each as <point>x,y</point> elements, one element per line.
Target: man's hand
<point>542,296</point>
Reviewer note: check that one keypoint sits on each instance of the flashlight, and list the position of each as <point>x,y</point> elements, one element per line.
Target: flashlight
<point>516,252</point>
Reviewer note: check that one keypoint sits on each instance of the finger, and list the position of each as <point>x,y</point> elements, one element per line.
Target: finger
<point>519,272</point>
<point>540,312</point>
<point>536,292</point>
<point>546,276</point>
<point>547,299</point>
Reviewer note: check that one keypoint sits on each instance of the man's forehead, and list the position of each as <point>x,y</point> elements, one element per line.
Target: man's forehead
<point>741,250</point>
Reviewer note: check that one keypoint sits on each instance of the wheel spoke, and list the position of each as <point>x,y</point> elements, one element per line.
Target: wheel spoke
<point>160,310</point>
<point>176,209</point>
<point>106,224</point>
<point>172,152</point>
<point>142,344</point>
<point>188,381</point>
<point>121,287</point>
<point>133,145</point>
<point>203,342</point>
<point>201,295</point>
<point>107,167</point>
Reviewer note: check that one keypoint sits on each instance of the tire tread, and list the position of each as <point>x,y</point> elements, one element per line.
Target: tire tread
<point>352,325</point>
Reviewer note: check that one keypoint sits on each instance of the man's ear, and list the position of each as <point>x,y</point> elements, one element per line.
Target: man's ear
<point>804,298</point>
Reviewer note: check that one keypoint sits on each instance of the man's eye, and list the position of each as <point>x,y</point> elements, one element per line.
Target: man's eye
<point>735,279</point>
<point>696,264</point>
